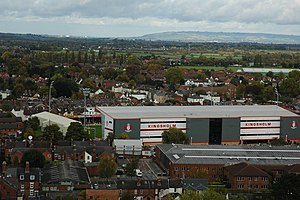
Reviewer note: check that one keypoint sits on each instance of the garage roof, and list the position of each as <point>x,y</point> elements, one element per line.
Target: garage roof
<point>130,112</point>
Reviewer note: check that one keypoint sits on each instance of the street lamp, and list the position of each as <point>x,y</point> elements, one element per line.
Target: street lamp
<point>50,87</point>
<point>211,80</point>
<point>277,95</point>
<point>86,92</point>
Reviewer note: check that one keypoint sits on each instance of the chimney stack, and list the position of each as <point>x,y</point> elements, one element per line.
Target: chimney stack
<point>3,168</point>
<point>27,167</point>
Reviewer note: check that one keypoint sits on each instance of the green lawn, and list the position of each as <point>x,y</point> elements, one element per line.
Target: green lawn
<point>211,67</point>
<point>95,130</point>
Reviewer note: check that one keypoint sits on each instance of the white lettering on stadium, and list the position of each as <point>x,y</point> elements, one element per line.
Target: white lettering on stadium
<point>258,124</point>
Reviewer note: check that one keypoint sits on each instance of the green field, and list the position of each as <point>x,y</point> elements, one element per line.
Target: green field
<point>211,68</point>
<point>95,130</point>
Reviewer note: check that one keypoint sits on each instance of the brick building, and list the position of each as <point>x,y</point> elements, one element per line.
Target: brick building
<point>25,179</point>
<point>10,124</point>
<point>7,190</point>
<point>245,167</point>
<point>65,178</point>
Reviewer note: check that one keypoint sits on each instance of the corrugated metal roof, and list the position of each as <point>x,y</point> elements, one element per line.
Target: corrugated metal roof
<point>128,112</point>
<point>224,154</point>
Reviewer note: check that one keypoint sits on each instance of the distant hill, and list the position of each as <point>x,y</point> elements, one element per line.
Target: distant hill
<point>222,37</point>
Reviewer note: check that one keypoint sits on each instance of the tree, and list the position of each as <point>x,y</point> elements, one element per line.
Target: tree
<point>34,157</point>
<point>198,173</point>
<point>110,138</point>
<point>268,93</point>
<point>174,135</point>
<point>128,196</point>
<point>76,132</point>
<point>107,166</point>
<point>205,195</point>
<point>52,133</point>
<point>131,166</point>
<point>79,57</point>
<point>278,142</point>
<point>28,132</point>
<point>174,75</point>
<point>33,123</point>
<point>65,87</point>
<point>289,88</point>
<point>124,136</point>
<point>287,188</point>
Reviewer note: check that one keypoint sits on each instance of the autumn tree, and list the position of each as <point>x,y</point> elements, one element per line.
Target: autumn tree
<point>205,195</point>
<point>174,135</point>
<point>198,173</point>
<point>124,136</point>
<point>107,166</point>
<point>174,75</point>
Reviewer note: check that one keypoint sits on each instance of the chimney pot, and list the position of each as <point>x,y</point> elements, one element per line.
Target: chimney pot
<point>27,167</point>
<point>3,168</point>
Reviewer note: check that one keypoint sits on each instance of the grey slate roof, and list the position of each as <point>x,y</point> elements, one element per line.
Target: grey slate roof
<point>227,155</point>
<point>128,112</point>
<point>69,170</point>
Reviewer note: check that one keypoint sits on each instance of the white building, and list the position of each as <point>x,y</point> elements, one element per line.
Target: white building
<point>47,119</point>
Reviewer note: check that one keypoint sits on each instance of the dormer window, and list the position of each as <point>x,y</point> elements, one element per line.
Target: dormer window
<point>32,177</point>
<point>21,177</point>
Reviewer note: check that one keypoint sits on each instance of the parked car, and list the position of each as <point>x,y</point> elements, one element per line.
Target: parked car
<point>138,173</point>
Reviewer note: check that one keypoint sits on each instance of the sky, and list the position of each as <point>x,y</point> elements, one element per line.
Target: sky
<point>130,18</point>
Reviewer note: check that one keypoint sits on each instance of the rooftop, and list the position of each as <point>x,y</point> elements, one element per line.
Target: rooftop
<point>129,112</point>
<point>54,118</point>
<point>72,171</point>
<point>228,155</point>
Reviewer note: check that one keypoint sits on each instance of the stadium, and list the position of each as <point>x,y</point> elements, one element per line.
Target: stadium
<point>203,124</point>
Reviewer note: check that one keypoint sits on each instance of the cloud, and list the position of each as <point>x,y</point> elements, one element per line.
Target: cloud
<point>171,14</point>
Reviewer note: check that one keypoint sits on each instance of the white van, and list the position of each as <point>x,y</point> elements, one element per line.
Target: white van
<point>138,173</point>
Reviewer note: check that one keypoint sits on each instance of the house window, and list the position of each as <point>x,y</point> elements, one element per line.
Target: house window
<point>141,192</point>
<point>264,178</point>
<point>240,186</point>
<point>32,177</point>
<point>31,192</point>
<point>250,178</point>
<point>22,186</point>
<point>264,187</point>
<point>240,178</point>
<point>88,157</point>
<point>31,185</point>
<point>255,178</point>
<point>21,177</point>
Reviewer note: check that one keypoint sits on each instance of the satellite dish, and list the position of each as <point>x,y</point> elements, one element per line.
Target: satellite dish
<point>30,137</point>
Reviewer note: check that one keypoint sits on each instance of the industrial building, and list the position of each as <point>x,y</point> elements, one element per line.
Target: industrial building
<point>203,124</point>
<point>246,167</point>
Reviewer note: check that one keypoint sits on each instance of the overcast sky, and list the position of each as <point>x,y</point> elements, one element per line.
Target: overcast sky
<point>122,18</point>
